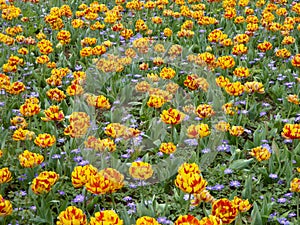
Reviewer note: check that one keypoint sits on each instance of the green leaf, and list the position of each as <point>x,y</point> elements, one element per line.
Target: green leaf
<point>247,192</point>
<point>275,148</point>
<point>255,215</point>
<point>157,142</point>
<point>240,164</point>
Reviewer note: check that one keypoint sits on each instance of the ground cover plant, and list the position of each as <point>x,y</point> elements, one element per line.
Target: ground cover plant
<point>149,112</point>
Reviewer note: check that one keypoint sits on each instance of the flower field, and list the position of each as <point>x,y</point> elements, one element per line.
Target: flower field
<point>149,112</point>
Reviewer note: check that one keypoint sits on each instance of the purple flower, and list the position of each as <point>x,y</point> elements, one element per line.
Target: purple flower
<point>160,154</point>
<point>131,205</point>
<point>288,195</point>
<point>273,176</point>
<point>132,186</point>
<point>244,112</point>
<point>272,215</point>
<point>267,146</point>
<point>218,187</point>
<point>283,221</point>
<point>56,156</point>
<point>288,141</point>
<point>223,148</point>
<point>191,142</point>
<point>210,188</point>
<point>292,214</point>
<point>262,113</point>
<point>163,220</point>
<point>61,140</point>
<point>205,150</point>
<point>281,182</point>
<point>131,211</point>
<point>78,67</point>
<point>281,200</point>
<point>77,158</point>
<point>83,163</point>
<point>234,183</point>
<point>61,192</point>
<point>127,198</point>
<point>248,131</point>
<point>125,156</point>
<point>23,193</point>
<point>22,177</point>
<point>228,171</point>
<point>79,198</point>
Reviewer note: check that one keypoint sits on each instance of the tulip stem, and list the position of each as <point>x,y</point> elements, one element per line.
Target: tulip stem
<point>238,220</point>
<point>113,201</point>
<point>84,198</point>
<point>172,133</point>
<point>188,204</point>
<point>297,202</point>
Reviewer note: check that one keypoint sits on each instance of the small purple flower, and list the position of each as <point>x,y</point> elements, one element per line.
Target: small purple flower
<point>248,131</point>
<point>272,215</point>
<point>77,159</point>
<point>210,188</point>
<point>132,186</point>
<point>223,148</point>
<point>23,193</point>
<point>191,142</point>
<point>125,156</point>
<point>61,140</point>
<point>273,176</point>
<point>205,150</point>
<point>267,146</point>
<point>56,156</point>
<point>131,205</point>
<point>160,154</point>
<point>234,183</point>
<point>261,114</point>
<point>83,163</point>
<point>288,195</point>
<point>283,221</point>
<point>131,211</point>
<point>288,141</point>
<point>163,220</point>
<point>281,182</point>
<point>78,67</point>
<point>23,177</point>
<point>281,200</point>
<point>228,171</point>
<point>60,192</point>
<point>292,214</point>
<point>79,198</point>
<point>285,120</point>
<point>127,198</point>
<point>218,187</point>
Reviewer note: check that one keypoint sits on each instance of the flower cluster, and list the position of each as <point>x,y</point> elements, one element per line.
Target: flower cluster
<point>30,159</point>
<point>190,181</point>
<point>44,182</point>
<point>141,170</point>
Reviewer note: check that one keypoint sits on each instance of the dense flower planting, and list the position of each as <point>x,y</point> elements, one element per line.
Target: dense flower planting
<point>149,112</point>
